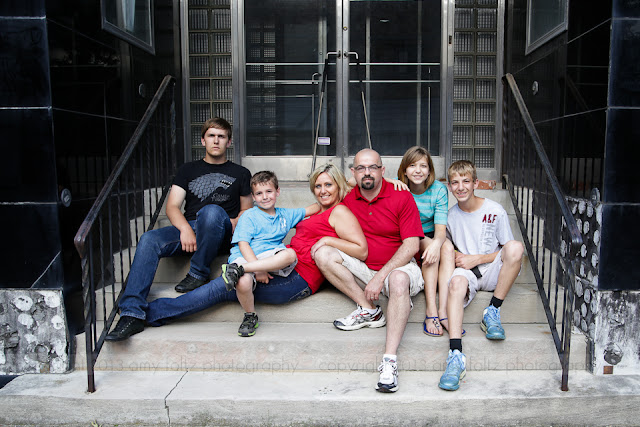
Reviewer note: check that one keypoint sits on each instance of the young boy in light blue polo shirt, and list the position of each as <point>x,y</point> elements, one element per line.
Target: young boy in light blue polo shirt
<point>258,251</point>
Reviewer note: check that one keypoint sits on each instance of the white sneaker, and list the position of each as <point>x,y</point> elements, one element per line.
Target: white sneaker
<point>361,318</point>
<point>388,382</point>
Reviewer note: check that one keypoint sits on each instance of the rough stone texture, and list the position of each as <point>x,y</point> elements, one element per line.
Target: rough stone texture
<point>33,332</point>
<point>588,215</point>
<point>617,341</point>
<point>608,319</point>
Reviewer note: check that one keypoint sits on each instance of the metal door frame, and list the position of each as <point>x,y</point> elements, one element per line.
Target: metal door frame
<point>342,90</point>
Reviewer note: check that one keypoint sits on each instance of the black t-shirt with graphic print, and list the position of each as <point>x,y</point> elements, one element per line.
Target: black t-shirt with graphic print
<point>207,184</point>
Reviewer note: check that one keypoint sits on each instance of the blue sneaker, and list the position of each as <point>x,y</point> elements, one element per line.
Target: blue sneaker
<point>491,325</point>
<point>456,370</point>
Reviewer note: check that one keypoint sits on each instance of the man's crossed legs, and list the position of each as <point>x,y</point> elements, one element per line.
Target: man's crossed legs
<point>399,286</point>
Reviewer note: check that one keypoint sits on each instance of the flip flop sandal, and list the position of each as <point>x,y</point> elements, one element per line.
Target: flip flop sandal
<point>436,322</point>
<point>463,331</point>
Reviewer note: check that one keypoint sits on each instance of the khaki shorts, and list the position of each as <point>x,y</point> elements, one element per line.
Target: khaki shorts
<point>364,274</point>
<point>284,272</point>
<point>487,282</point>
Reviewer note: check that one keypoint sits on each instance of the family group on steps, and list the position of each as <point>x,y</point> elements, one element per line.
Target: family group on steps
<point>366,236</point>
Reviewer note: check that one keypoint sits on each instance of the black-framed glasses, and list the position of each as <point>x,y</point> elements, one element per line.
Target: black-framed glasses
<point>372,168</point>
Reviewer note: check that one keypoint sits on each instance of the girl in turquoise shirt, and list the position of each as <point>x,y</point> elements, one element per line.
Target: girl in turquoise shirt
<point>436,251</point>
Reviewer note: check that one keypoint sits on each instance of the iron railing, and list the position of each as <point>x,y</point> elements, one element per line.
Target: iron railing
<point>549,230</point>
<point>128,204</point>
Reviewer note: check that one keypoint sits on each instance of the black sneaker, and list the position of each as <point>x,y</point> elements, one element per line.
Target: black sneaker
<point>249,325</point>
<point>125,327</point>
<point>188,284</point>
<point>231,273</point>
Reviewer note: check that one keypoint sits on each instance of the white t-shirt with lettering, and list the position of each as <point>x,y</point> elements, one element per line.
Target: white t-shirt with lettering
<point>483,231</point>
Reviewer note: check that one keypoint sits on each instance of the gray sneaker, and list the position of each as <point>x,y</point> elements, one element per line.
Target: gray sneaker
<point>361,318</point>
<point>231,273</point>
<point>249,325</point>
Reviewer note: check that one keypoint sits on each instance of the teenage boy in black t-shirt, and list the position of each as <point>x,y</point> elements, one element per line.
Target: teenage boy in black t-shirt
<point>216,192</point>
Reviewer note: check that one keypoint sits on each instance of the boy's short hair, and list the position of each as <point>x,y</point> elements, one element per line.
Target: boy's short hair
<point>412,155</point>
<point>264,177</point>
<point>462,168</point>
<point>218,123</point>
<point>336,175</point>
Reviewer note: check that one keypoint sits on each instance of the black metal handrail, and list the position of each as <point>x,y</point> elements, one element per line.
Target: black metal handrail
<point>133,195</point>
<point>549,230</point>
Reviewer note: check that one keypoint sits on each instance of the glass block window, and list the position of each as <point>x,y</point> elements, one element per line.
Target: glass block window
<point>475,81</point>
<point>210,67</point>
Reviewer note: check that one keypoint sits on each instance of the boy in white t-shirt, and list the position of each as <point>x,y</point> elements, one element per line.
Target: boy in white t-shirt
<point>487,258</point>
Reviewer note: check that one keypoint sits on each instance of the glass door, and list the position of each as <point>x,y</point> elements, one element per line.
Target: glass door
<point>399,46</point>
<point>381,61</point>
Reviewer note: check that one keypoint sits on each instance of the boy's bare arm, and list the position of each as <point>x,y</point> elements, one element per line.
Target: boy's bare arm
<point>250,256</point>
<point>247,252</point>
<point>469,261</point>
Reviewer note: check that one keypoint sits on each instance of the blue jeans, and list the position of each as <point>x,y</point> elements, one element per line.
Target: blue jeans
<point>279,290</point>
<point>213,231</point>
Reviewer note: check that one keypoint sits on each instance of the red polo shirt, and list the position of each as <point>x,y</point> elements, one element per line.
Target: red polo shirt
<point>386,221</point>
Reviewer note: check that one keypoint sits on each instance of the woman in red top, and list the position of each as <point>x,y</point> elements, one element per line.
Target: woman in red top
<point>334,226</point>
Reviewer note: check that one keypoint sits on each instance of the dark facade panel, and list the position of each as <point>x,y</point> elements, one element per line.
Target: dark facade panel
<point>619,252</point>
<point>28,168</point>
<point>621,158</point>
<point>24,74</point>
<point>624,84</point>
<point>626,9</point>
<point>35,239</point>
<point>30,8</point>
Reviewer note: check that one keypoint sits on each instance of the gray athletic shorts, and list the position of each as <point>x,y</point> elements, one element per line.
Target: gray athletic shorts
<point>487,282</point>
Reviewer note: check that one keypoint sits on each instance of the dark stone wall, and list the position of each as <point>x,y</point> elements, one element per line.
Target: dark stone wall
<point>28,187</point>
<point>71,95</point>
<point>621,198</point>
<point>587,114</point>
<point>100,88</point>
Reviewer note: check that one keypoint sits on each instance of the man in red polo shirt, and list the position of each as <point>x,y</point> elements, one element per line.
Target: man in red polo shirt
<point>391,224</point>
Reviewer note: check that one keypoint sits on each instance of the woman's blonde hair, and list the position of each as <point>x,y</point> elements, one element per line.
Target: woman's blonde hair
<point>336,175</point>
<point>412,155</point>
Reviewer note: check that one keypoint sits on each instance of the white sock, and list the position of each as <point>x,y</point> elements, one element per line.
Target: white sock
<point>391,357</point>
<point>371,310</point>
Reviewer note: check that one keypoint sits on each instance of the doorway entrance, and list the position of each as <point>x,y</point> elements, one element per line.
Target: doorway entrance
<point>381,62</point>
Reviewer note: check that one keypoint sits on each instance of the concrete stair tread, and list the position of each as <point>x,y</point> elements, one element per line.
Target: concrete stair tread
<point>318,398</point>
<point>320,346</point>
<point>523,305</point>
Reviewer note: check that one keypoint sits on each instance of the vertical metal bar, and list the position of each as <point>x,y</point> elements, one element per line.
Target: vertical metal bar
<point>556,250</point>
<point>102,263</point>
<point>88,296</point>
<point>149,182</point>
<point>568,316</point>
<point>141,188</point>
<point>541,205</point>
<point>120,244</point>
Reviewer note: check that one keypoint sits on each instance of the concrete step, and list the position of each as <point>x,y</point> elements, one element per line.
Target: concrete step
<point>191,398</point>
<point>321,347</point>
<point>173,270</point>
<point>523,305</point>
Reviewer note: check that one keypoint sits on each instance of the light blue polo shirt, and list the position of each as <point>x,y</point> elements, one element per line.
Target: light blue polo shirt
<point>262,231</point>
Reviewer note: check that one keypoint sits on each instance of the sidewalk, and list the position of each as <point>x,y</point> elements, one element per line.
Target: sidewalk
<point>317,398</point>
